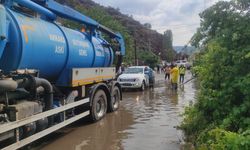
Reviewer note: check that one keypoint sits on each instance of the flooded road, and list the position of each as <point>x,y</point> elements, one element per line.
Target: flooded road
<point>145,121</point>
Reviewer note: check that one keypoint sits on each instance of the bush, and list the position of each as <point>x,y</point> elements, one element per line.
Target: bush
<point>221,112</point>
<point>219,139</point>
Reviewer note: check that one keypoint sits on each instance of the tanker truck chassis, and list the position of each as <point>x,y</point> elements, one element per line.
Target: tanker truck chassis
<point>51,75</point>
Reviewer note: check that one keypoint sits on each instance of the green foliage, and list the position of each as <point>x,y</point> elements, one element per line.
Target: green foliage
<point>149,58</point>
<point>224,73</point>
<point>219,139</point>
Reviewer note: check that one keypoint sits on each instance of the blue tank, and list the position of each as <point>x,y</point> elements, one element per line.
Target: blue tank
<point>52,49</point>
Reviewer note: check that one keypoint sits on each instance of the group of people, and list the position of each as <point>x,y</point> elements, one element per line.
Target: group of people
<point>173,73</point>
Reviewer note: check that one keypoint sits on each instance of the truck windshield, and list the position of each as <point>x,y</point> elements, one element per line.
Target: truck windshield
<point>133,71</point>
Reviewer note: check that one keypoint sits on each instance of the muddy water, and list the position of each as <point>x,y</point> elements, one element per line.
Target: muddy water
<point>146,121</point>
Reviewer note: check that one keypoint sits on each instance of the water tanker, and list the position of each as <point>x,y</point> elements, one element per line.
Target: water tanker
<point>50,48</point>
<point>61,74</point>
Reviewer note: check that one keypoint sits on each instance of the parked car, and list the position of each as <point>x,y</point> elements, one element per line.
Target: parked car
<point>181,62</point>
<point>137,77</point>
<point>188,66</point>
<point>184,63</point>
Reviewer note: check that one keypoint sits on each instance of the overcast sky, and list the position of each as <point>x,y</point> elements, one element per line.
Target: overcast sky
<point>181,16</point>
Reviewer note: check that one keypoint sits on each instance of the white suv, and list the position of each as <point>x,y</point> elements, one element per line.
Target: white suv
<point>135,77</point>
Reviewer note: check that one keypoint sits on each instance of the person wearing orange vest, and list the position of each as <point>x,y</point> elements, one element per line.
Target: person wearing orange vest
<point>174,73</point>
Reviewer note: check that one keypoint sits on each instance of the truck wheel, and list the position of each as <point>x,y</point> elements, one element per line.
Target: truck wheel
<point>99,106</point>
<point>115,99</point>
<point>143,85</point>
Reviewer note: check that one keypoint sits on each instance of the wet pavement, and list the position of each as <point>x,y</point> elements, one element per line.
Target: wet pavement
<point>145,121</point>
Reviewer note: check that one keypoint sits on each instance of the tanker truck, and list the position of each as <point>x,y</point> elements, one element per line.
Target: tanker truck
<point>52,75</point>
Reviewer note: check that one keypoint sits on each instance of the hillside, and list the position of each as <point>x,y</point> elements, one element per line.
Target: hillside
<point>146,38</point>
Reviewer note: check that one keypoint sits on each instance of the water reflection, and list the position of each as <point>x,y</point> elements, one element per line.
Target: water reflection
<point>174,98</point>
<point>106,134</point>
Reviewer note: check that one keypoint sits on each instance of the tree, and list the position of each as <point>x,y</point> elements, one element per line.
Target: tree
<point>168,45</point>
<point>168,40</point>
<point>147,25</point>
<point>149,58</point>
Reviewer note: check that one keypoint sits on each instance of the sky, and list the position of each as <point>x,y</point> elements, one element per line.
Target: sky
<point>181,16</point>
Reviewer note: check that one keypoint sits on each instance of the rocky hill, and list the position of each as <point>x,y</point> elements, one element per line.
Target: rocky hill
<point>146,38</point>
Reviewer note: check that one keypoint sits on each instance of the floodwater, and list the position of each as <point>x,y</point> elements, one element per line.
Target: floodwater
<point>145,121</point>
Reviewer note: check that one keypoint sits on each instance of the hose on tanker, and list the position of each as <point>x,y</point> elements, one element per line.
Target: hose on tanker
<point>32,84</point>
<point>48,95</point>
<point>7,85</point>
<point>48,92</point>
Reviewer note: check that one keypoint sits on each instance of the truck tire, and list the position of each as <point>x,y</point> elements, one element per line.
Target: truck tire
<point>114,103</point>
<point>99,106</point>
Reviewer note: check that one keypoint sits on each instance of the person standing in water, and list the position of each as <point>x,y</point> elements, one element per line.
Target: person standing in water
<point>174,73</point>
<point>167,72</point>
<point>182,71</point>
